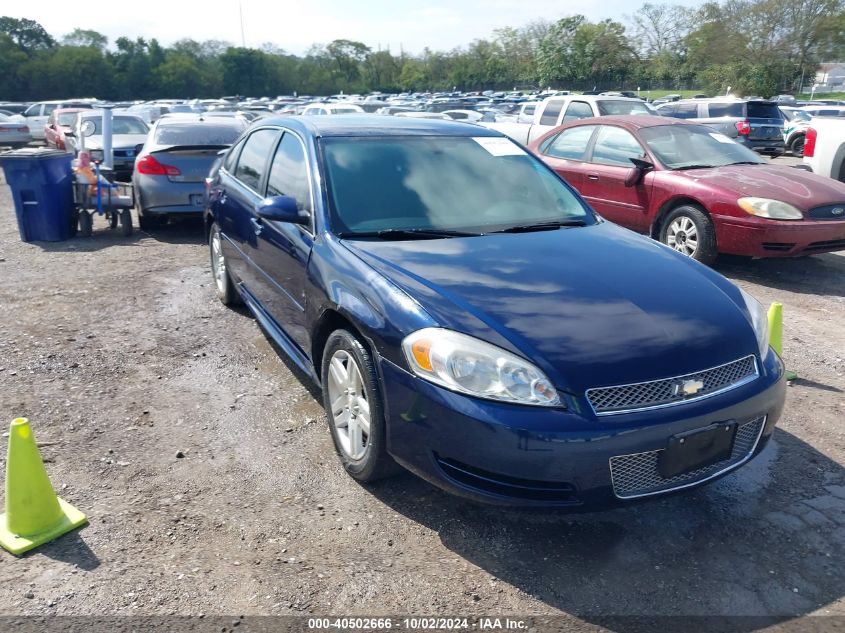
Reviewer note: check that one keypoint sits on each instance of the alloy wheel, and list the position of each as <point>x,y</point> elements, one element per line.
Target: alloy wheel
<point>218,262</point>
<point>682,235</point>
<point>350,408</point>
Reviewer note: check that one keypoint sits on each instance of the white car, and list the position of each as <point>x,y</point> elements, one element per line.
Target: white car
<point>38,113</point>
<point>470,116</point>
<point>323,109</point>
<point>824,147</point>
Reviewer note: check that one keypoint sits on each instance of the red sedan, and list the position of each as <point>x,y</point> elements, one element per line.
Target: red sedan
<point>60,122</point>
<point>694,189</point>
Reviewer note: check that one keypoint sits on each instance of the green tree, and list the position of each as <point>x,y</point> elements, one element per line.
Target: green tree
<point>84,37</point>
<point>28,35</point>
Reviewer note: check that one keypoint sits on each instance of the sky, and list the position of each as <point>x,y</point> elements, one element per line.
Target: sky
<point>294,26</point>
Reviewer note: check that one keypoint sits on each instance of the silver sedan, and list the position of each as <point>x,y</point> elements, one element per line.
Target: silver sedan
<point>13,133</point>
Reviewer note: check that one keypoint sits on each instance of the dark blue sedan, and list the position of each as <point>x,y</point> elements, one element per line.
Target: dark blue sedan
<point>469,317</point>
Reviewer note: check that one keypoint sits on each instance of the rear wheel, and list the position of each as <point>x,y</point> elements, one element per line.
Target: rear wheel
<point>688,230</point>
<point>226,291</point>
<point>126,222</point>
<point>796,145</point>
<point>353,405</point>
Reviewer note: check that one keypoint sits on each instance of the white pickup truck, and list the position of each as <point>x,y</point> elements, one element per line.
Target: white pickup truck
<point>824,147</point>
<point>553,111</point>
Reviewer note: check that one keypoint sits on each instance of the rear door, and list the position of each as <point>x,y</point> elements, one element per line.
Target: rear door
<point>237,198</point>
<point>723,116</point>
<point>565,153</point>
<point>604,181</point>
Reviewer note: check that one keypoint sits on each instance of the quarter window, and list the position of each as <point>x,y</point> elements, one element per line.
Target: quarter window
<point>232,158</point>
<point>288,173</point>
<point>615,146</point>
<point>570,144</point>
<point>578,110</point>
<point>253,159</point>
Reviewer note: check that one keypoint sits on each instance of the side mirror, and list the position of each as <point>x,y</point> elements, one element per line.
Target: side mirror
<point>282,209</point>
<point>70,133</point>
<point>636,173</point>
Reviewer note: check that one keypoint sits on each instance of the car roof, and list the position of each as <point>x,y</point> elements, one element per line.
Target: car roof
<point>633,121</point>
<point>377,125</point>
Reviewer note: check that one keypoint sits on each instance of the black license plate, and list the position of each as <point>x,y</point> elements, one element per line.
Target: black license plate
<point>692,450</point>
<point>197,200</point>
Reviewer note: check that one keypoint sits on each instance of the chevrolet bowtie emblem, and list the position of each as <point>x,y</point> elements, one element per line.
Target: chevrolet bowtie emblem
<point>687,388</point>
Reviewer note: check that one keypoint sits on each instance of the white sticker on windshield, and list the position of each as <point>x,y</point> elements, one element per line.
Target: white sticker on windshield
<point>499,146</point>
<point>721,137</point>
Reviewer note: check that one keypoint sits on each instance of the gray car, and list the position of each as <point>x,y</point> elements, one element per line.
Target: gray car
<point>755,123</point>
<point>13,133</point>
<point>128,135</point>
<point>170,172</point>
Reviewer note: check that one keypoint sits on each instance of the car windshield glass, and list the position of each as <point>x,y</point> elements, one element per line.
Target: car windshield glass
<point>685,146</point>
<point>67,118</point>
<point>442,183</point>
<point>120,125</point>
<point>608,108</point>
<point>215,133</point>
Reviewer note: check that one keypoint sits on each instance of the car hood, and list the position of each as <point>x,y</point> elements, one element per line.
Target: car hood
<point>798,187</point>
<point>590,306</point>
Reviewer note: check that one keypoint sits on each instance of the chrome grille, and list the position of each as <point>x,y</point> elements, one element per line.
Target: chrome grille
<point>666,391</point>
<point>637,475</point>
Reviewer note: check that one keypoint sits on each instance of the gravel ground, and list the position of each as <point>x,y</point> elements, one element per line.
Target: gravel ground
<point>206,468</point>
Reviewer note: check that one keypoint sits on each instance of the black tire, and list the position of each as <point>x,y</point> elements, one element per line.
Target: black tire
<point>705,249</point>
<point>113,220</point>
<point>86,223</point>
<point>376,463</point>
<point>796,145</point>
<point>74,222</point>
<point>126,222</point>
<point>226,291</point>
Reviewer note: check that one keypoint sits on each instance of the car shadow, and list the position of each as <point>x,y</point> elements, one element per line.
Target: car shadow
<point>816,274</point>
<point>190,230</point>
<point>764,542</point>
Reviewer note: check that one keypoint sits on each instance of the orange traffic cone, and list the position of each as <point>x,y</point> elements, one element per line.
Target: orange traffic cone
<point>34,514</point>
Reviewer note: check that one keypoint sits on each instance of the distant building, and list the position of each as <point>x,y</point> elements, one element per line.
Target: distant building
<point>830,77</point>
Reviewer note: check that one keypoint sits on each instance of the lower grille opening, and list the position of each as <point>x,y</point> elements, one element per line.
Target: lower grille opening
<point>514,487</point>
<point>638,475</point>
<point>778,246</point>
<point>825,246</point>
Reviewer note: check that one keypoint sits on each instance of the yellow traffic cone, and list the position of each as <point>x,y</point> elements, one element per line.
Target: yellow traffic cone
<point>34,514</point>
<point>776,333</point>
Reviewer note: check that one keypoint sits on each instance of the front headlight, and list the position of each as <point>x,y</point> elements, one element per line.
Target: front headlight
<point>759,320</point>
<point>465,364</point>
<point>772,209</point>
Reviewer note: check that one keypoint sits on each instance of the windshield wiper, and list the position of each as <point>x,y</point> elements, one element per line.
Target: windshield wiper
<point>692,167</point>
<point>747,162</point>
<point>541,226</point>
<point>405,234</point>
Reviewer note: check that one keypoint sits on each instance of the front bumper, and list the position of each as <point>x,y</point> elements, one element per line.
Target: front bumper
<point>757,237</point>
<point>532,456</point>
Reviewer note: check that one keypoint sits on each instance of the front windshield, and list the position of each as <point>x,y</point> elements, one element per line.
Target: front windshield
<point>67,118</point>
<point>689,146</point>
<point>120,125</point>
<point>472,184</point>
<point>616,107</point>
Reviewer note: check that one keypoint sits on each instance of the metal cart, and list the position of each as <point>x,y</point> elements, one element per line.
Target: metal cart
<point>114,200</point>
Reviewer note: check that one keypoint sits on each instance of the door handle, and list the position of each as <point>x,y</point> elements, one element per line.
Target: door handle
<point>256,225</point>
<point>592,176</point>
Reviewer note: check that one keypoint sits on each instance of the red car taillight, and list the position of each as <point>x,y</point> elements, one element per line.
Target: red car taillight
<point>149,166</point>
<point>810,142</point>
<point>743,127</point>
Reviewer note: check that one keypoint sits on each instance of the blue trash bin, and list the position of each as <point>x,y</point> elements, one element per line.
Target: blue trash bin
<point>42,189</point>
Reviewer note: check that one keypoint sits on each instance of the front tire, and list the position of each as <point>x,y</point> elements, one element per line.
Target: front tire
<point>126,222</point>
<point>352,401</point>
<point>688,230</point>
<point>86,223</point>
<point>226,291</point>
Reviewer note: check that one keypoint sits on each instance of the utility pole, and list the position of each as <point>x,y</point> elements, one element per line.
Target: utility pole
<point>241,11</point>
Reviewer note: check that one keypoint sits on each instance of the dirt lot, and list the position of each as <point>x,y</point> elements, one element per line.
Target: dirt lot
<point>207,471</point>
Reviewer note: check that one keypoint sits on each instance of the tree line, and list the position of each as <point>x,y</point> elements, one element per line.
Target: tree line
<point>759,47</point>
